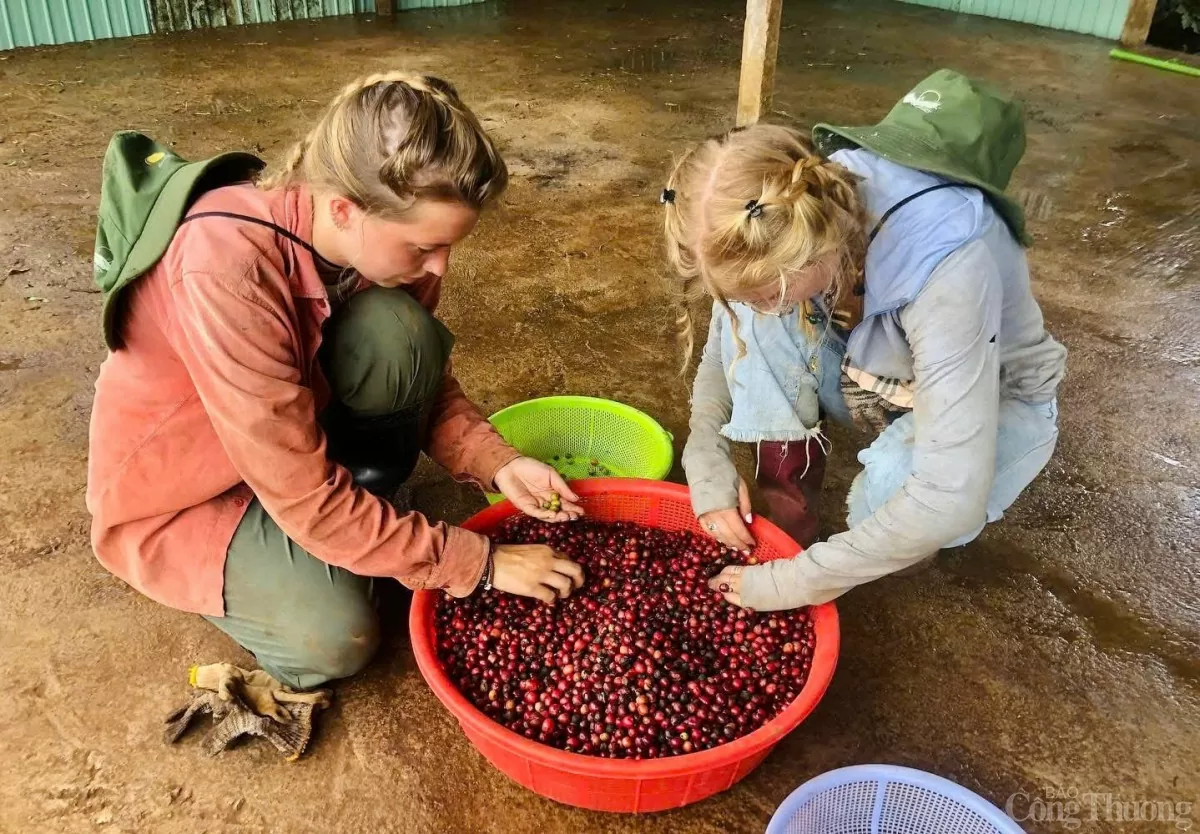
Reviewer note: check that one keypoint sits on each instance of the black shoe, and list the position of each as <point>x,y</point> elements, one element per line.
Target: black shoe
<point>380,481</point>
<point>380,452</point>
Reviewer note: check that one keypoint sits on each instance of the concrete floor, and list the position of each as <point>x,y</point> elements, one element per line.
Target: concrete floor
<point>1057,653</point>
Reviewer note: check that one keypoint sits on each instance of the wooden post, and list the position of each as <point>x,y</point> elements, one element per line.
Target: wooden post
<point>760,46</point>
<point>1137,22</point>
<point>384,8</point>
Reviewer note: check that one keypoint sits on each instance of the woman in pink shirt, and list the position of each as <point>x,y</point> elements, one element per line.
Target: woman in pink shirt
<point>279,371</point>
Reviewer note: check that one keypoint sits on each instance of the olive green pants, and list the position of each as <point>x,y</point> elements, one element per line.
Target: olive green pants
<point>307,621</point>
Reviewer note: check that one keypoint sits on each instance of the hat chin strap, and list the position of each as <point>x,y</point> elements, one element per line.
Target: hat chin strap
<point>908,200</point>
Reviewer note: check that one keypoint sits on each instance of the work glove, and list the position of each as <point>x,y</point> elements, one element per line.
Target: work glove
<point>233,719</point>
<point>870,412</point>
<point>256,689</point>
<point>244,703</point>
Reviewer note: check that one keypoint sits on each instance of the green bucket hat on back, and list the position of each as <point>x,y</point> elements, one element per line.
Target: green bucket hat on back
<point>951,126</point>
<point>145,191</point>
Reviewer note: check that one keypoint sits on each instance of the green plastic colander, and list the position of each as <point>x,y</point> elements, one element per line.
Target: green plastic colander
<point>587,437</point>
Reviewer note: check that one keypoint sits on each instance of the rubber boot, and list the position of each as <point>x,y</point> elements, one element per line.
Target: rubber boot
<point>380,452</point>
<point>789,478</point>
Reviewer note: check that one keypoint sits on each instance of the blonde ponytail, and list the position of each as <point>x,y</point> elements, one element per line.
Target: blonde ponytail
<point>753,206</point>
<point>282,174</point>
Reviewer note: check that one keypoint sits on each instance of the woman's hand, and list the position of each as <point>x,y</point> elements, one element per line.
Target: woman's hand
<point>530,484</point>
<point>534,570</point>
<point>729,526</point>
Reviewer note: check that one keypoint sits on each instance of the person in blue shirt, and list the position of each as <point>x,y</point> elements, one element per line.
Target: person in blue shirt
<point>869,274</point>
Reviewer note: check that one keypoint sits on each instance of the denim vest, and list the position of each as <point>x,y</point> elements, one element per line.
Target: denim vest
<point>784,383</point>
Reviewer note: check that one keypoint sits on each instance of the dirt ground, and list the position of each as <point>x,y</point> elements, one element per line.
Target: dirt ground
<point>1058,653</point>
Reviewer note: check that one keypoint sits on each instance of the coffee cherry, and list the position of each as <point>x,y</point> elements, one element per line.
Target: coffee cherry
<point>644,661</point>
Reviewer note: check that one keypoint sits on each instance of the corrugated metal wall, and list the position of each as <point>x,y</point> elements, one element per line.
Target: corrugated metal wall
<point>407,5</point>
<point>37,22</point>
<point>33,22</point>
<point>1103,18</point>
<point>175,15</point>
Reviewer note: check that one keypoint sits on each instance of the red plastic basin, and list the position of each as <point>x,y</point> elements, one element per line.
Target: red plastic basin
<point>614,784</point>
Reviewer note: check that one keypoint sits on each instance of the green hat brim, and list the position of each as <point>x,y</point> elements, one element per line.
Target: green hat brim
<point>902,147</point>
<point>170,206</point>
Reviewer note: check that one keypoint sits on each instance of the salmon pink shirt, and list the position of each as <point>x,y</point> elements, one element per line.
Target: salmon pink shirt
<point>213,400</point>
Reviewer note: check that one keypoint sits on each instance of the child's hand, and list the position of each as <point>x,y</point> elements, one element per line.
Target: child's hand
<point>729,526</point>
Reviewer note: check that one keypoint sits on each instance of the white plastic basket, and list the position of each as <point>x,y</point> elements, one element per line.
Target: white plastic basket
<point>886,799</point>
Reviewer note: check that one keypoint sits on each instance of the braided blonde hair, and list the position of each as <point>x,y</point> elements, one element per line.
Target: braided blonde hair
<point>749,208</point>
<point>388,140</point>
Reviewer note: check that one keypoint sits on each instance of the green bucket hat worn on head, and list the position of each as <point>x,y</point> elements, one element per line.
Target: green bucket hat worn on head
<point>145,191</point>
<point>951,126</point>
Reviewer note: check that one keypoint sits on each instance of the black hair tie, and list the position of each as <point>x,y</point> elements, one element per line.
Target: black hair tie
<point>754,208</point>
<point>667,196</point>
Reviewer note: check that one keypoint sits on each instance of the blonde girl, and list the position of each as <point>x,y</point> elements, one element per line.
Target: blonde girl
<point>277,371</point>
<point>874,274</point>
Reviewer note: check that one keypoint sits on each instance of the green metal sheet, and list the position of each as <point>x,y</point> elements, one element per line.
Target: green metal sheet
<point>179,15</point>
<point>38,22</point>
<point>405,5</point>
<point>174,15</point>
<point>1103,18</point>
